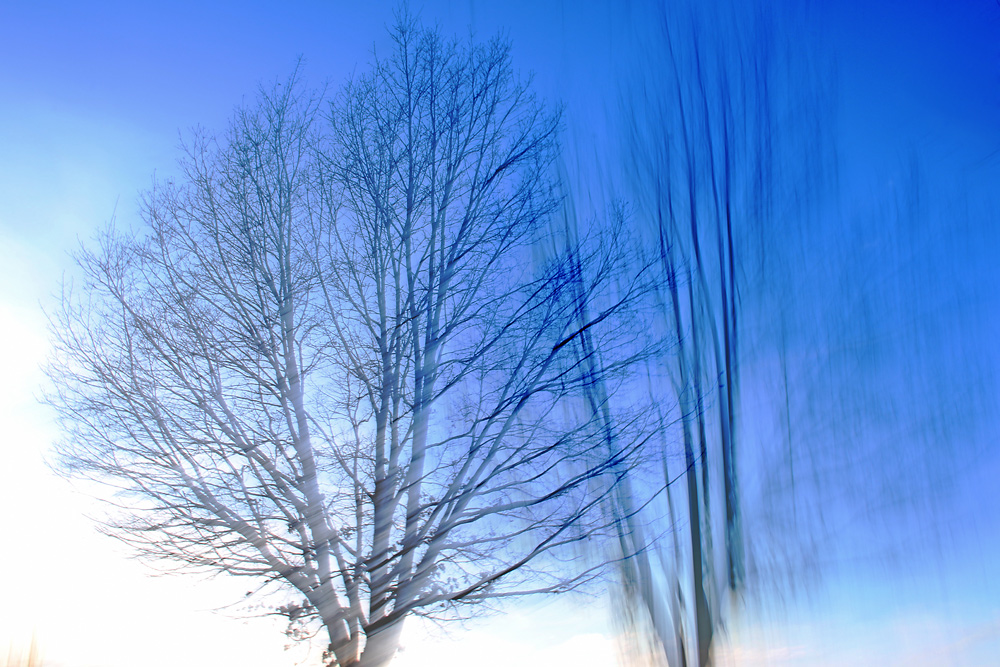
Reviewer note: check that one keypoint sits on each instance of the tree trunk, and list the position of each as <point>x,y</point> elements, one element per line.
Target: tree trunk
<point>381,645</point>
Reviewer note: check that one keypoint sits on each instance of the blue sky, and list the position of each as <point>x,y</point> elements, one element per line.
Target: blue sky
<point>93,100</point>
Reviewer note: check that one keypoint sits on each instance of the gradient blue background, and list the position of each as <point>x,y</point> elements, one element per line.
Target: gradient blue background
<point>94,97</point>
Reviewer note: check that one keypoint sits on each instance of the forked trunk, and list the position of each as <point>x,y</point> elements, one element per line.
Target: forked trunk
<point>381,645</point>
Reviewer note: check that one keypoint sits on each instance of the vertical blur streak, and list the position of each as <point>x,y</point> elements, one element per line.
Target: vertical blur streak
<point>829,386</point>
<point>701,164</point>
<point>16,658</point>
<point>682,153</point>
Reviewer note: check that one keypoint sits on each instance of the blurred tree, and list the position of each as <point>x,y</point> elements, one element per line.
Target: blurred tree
<point>703,162</point>
<point>829,348</point>
<point>334,361</point>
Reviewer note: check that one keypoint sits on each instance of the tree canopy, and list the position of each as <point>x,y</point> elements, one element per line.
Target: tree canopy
<point>343,353</point>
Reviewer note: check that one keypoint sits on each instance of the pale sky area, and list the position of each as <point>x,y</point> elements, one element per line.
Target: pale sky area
<point>93,97</point>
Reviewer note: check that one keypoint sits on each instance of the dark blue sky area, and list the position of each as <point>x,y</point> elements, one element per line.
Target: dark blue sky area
<point>924,73</point>
<point>910,76</point>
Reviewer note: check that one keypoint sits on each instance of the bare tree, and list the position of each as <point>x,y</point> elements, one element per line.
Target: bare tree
<point>335,360</point>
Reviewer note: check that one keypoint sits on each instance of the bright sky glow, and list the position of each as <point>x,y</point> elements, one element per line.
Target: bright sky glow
<point>93,100</point>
